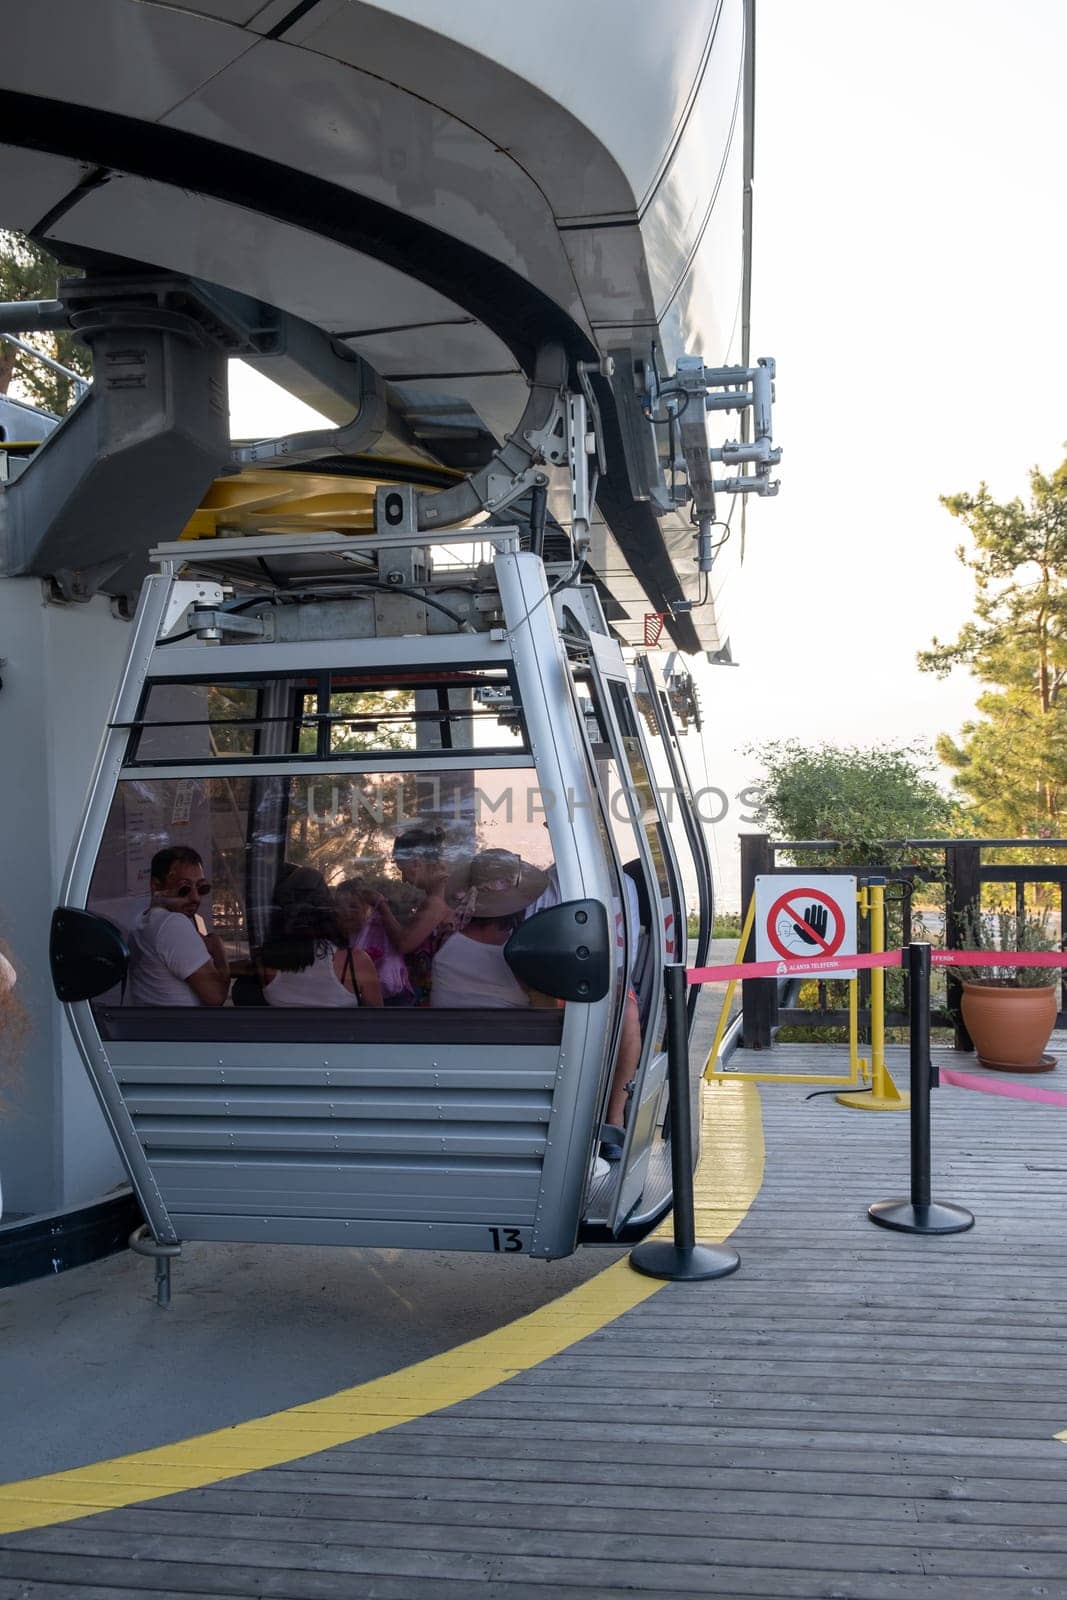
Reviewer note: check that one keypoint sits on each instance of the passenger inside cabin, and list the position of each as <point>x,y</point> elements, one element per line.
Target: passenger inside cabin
<point>470,969</point>
<point>305,959</point>
<point>366,919</point>
<point>419,855</point>
<point>175,959</point>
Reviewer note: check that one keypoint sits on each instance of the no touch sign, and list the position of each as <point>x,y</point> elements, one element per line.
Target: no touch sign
<point>798,915</point>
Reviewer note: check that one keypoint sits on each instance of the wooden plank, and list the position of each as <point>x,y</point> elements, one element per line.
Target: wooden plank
<point>583,1532</point>
<point>23,1589</point>
<point>753,1486</point>
<point>277,1570</point>
<point>968,1522</point>
<point>700,1467</point>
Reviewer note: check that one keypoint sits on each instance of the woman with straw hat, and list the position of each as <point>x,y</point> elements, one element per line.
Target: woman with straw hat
<point>470,969</point>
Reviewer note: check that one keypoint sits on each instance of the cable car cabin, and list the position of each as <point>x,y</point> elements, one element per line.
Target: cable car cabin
<point>419,846</point>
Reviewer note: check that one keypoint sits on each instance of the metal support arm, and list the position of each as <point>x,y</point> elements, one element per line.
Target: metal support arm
<point>538,443</point>
<point>33,316</point>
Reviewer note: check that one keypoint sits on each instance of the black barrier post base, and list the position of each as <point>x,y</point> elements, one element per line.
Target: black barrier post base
<point>935,1217</point>
<point>683,1261</point>
<point>659,1258</point>
<point>920,1214</point>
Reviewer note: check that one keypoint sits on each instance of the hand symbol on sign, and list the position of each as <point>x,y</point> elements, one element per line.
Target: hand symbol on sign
<point>816,918</point>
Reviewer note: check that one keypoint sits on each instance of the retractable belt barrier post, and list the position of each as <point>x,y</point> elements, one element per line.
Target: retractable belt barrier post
<point>920,1214</point>
<point>684,1260</point>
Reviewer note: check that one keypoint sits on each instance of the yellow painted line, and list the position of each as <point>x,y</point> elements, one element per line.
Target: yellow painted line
<point>1062,1437</point>
<point>726,1183</point>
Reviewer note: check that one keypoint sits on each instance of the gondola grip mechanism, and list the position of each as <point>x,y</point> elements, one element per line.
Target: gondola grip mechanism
<point>184,594</point>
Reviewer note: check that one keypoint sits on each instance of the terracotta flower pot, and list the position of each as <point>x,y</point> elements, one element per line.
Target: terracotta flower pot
<point>1010,1027</point>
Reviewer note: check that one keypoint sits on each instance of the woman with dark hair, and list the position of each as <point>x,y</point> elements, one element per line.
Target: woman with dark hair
<point>305,960</point>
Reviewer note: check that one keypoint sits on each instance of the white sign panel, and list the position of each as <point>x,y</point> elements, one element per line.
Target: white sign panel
<point>800,916</point>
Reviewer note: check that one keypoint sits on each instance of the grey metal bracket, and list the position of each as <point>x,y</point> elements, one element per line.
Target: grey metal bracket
<point>326,375</point>
<point>693,392</point>
<point>209,624</point>
<point>523,462</point>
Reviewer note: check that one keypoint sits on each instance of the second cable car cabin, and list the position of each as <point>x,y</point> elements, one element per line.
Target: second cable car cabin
<point>310,702</point>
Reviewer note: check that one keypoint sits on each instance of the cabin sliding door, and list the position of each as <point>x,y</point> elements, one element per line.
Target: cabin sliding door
<point>651,912</point>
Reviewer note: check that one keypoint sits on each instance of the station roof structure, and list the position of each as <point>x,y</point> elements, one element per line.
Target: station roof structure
<point>440,190</point>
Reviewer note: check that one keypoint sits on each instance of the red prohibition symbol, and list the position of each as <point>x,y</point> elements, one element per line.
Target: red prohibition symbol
<point>805,922</point>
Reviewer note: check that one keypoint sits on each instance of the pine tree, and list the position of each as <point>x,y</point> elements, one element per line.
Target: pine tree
<point>28,272</point>
<point>1012,763</point>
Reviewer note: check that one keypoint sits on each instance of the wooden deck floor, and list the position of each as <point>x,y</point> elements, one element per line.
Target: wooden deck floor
<point>855,1414</point>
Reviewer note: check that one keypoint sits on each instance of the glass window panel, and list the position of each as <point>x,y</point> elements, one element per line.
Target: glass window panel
<point>644,796</point>
<point>329,715</point>
<point>397,869</point>
<point>671,801</point>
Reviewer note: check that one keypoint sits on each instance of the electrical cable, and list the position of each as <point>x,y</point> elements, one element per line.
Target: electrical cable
<point>415,594</point>
<point>567,579</point>
<point>672,413</point>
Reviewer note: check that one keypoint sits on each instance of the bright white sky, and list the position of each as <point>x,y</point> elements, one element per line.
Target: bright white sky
<point>909,249</point>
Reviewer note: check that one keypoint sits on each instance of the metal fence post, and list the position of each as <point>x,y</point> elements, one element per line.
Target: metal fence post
<point>920,1214</point>
<point>759,996</point>
<point>963,861</point>
<point>684,1260</point>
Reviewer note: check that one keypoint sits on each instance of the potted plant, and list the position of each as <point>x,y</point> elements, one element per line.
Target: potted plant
<point>1009,1011</point>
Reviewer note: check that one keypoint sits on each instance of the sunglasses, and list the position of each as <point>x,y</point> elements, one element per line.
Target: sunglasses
<point>184,890</point>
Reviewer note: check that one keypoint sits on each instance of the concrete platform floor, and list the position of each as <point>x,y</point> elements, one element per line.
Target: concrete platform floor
<point>90,1367</point>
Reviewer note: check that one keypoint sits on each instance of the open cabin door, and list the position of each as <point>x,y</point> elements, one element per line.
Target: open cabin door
<point>686,834</point>
<point>651,916</point>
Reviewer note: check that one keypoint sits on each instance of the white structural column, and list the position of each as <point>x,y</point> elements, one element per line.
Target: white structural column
<point>61,664</point>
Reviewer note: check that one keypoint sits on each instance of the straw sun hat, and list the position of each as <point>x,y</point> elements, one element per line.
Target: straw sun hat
<point>500,884</point>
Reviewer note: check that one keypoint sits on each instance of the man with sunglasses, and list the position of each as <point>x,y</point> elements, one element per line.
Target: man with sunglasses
<point>172,963</point>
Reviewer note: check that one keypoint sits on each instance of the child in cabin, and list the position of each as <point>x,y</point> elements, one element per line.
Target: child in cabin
<point>367,922</point>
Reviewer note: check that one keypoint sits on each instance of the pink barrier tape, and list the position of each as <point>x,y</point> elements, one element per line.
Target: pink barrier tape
<point>820,966</point>
<point>1011,1091</point>
<point>998,958</point>
<point>815,966</point>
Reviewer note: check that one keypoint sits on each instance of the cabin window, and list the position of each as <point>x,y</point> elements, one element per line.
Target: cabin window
<point>449,854</point>
<point>327,715</point>
<point>644,795</point>
<point>673,802</point>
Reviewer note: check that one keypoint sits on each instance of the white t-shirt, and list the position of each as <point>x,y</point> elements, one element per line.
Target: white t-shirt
<point>468,973</point>
<point>165,949</point>
<point>317,985</point>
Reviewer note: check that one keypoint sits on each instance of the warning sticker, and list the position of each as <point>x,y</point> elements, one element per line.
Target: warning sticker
<point>799,916</point>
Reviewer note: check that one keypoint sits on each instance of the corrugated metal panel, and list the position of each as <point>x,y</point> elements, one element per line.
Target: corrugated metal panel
<point>378,1141</point>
